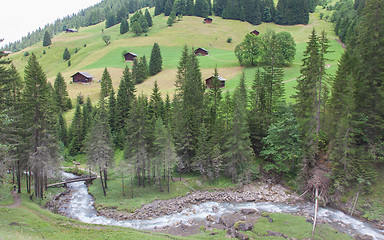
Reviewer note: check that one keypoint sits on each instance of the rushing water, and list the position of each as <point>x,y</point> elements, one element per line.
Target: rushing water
<point>80,206</point>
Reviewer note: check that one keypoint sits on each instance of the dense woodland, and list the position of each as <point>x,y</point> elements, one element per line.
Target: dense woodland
<point>331,139</point>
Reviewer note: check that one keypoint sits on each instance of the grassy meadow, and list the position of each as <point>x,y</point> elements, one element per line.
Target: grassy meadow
<point>93,55</point>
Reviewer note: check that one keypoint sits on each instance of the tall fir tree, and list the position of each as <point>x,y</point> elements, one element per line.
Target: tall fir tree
<point>148,17</point>
<point>66,54</point>
<point>60,94</point>
<point>124,26</point>
<point>105,84</point>
<point>156,62</point>
<point>47,39</point>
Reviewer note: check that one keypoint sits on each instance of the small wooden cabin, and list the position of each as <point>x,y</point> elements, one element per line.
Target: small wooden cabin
<point>82,77</point>
<point>208,82</point>
<point>201,52</point>
<point>129,56</point>
<point>255,32</point>
<point>208,20</point>
<point>70,30</point>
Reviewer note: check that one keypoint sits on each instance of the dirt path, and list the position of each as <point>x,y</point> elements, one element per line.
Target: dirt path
<point>16,199</point>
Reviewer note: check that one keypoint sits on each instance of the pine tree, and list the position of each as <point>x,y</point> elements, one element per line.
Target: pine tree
<point>112,112</point>
<point>190,8</point>
<point>159,7</point>
<point>148,18</point>
<point>219,6</point>
<point>76,133</point>
<point>110,21</point>
<point>62,131</point>
<point>201,8</point>
<point>105,84</point>
<point>168,7</point>
<point>156,62</point>
<point>124,26</point>
<point>179,7</point>
<point>142,70</point>
<point>136,28</point>
<point>60,94</point>
<point>125,96</point>
<point>38,116</point>
<point>238,153</point>
<point>66,54</point>
<point>143,23</point>
<point>99,146</point>
<point>47,39</point>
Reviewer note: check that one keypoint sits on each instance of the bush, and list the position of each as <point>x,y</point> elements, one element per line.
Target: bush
<point>229,40</point>
<point>26,54</point>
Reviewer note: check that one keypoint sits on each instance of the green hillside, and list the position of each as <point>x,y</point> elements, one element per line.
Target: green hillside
<point>93,55</point>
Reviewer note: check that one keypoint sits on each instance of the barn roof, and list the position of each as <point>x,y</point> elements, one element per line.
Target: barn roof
<point>201,49</point>
<point>85,74</point>
<point>219,78</point>
<point>131,53</point>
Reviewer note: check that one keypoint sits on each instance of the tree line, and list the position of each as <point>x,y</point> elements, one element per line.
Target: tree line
<point>331,139</point>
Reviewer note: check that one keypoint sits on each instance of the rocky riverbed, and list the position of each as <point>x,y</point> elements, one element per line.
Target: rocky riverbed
<point>261,192</point>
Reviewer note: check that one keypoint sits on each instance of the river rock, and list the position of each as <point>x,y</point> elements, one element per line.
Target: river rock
<point>276,234</point>
<point>227,221</point>
<point>210,218</point>
<point>247,211</point>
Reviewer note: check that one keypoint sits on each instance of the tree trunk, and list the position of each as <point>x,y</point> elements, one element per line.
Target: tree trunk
<point>102,182</point>
<point>122,182</point>
<point>168,180</point>
<point>316,206</point>
<point>354,205</point>
<point>18,177</point>
<point>105,178</point>
<point>132,186</point>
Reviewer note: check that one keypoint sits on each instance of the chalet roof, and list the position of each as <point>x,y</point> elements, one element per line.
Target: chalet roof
<point>131,53</point>
<point>219,78</point>
<point>201,49</point>
<point>207,18</point>
<point>85,74</point>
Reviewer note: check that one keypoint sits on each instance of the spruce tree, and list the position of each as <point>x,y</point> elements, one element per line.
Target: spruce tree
<point>47,39</point>
<point>66,54</point>
<point>136,28</point>
<point>76,133</point>
<point>60,94</point>
<point>105,84</point>
<point>201,8</point>
<point>142,70</point>
<point>168,7</point>
<point>38,116</point>
<point>190,8</point>
<point>125,96</point>
<point>112,112</point>
<point>159,7</point>
<point>124,26</point>
<point>148,18</point>
<point>156,62</point>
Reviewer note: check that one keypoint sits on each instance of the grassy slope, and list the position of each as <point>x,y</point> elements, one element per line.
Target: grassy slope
<point>191,31</point>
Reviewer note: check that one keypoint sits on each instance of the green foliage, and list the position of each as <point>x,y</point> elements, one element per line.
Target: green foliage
<point>66,54</point>
<point>136,28</point>
<point>148,18</point>
<point>282,145</point>
<point>156,62</point>
<point>106,39</point>
<point>60,94</point>
<point>249,51</point>
<point>291,12</point>
<point>105,84</point>
<point>201,8</point>
<point>47,39</point>
<point>229,40</point>
<point>124,26</point>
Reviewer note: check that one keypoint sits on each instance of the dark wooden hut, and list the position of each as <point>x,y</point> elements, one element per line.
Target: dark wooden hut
<point>201,52</point>
<point>129,56</point>
<point>208,20</point>
<point>82,77</point>
<point>255,32</point>
<point>208,82</point>
<point>70,30</point>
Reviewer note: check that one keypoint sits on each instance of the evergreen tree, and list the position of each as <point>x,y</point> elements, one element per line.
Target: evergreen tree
<point>164,152</point>
<point>179,7</point>
<point>219,6</point>
<point>148,18</point>
<point>124,26</point>
<point>156,62</point>
<point>110,21</point>
<point>238,153</point>
<point>47,39</point>
<point>66,54</point>
<point>143,23</point>
<point>190,8</point>
<point>168,7</point>
<point>135,70</point>
<point>62,132</point>
<point>136,28</point>
<point>105,84</point>
<point>159,7</point>
<point>60,94</point>
<point>291,12</point>
<point>142,70</point>
<point>38,116</point>
<point>112,113</point>
<point>125,96</point>
<point>189,100</point>
<point>201,8</point>
<point>98,145</point>
<point>76,133</point>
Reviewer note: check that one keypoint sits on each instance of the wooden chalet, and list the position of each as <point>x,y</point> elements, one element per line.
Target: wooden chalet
<point>208,20</point>
<point>209,84</point>
<point>70,30</point>
<point>82,77</point>
<point>255,32</point>
<point>129,56</point>
<point>201,52</point>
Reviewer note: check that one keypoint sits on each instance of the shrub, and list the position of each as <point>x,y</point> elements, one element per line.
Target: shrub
<point>229,40</point>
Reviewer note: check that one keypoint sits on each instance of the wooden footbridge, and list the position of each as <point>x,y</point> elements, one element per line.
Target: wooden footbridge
<point>72,180</point>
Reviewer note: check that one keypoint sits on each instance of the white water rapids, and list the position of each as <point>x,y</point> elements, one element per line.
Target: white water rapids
<point>80,206</point>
